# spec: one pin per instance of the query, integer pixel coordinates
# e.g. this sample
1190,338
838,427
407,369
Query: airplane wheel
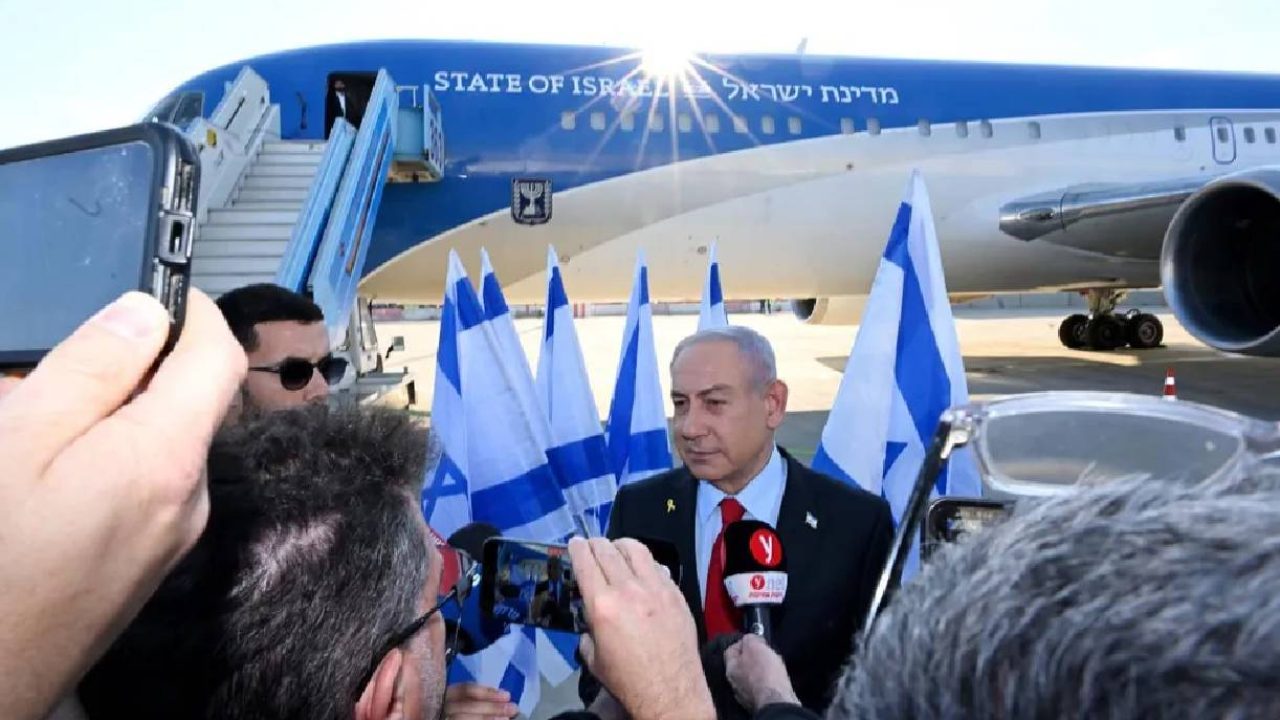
1105,333
1145,331
1071,333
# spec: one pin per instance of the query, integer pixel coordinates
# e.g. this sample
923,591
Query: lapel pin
810,520
671,505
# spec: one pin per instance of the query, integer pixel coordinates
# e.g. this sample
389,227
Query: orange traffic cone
1170,386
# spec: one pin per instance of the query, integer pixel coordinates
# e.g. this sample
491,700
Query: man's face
724,424
279,341
424,661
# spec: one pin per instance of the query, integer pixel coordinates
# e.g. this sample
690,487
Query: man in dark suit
552,598
340,102
728,404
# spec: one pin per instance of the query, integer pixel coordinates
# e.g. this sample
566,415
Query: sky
83,65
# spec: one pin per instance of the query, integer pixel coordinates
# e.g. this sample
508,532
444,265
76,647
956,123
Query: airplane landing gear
1103,329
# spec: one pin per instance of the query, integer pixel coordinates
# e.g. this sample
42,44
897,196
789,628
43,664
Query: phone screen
950,519
73,237
531,584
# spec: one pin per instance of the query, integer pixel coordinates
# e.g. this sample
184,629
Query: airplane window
656,123
873,126
597,121
685,122
628,121
846,126
1249,135
962,129
985,128
1033,128
711,122
766,124
793,125
925,128
1223,136
568,120
739,124
1180,134
1271,135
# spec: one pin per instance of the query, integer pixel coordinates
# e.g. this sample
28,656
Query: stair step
245,232
292,206
252,216
307,159
288,169
215,285
235,265
286,146
294,195
277,182
205,248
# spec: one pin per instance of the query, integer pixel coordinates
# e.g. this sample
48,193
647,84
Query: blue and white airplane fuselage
1040,177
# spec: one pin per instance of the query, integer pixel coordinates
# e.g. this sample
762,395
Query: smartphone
85,219
951,518
530,583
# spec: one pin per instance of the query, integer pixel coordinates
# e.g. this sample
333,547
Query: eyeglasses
295,373
468,577
1050,443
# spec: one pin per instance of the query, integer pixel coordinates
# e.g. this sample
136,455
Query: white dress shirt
761,500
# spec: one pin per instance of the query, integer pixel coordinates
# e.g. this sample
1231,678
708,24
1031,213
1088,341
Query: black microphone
755,573
474,631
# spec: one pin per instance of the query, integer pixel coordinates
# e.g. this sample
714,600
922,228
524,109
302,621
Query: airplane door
1224,140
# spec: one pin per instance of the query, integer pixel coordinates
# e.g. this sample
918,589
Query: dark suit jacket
832,569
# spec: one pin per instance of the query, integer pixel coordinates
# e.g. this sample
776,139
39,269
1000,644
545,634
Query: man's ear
776,399
383,697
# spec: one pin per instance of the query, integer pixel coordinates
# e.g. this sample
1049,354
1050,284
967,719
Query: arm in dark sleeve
879,542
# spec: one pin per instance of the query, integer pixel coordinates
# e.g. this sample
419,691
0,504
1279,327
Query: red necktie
722,616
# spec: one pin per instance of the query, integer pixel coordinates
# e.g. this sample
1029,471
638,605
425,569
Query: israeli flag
637,426
511,484
712,313
446,497
904,371
578,451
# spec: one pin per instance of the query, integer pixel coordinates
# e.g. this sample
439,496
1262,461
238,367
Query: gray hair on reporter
1132,599
753,347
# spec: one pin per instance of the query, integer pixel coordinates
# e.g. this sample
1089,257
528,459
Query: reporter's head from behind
306,596
1134,599
283,334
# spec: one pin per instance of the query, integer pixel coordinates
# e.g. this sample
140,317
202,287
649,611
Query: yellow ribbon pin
671,505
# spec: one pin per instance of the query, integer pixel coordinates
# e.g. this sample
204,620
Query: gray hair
1131,599
753,346
313,558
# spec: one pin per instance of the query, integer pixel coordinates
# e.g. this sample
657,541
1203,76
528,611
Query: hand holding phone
86,219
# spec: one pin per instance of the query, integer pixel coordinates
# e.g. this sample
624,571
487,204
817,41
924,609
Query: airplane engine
1221,260
829,310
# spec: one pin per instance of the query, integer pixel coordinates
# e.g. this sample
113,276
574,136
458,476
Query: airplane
1042,178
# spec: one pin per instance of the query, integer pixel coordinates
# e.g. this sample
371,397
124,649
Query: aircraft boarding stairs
301,213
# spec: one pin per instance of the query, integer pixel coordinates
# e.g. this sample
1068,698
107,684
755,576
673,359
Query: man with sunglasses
283,334
313,592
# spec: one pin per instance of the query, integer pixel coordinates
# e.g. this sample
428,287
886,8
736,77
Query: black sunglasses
295,373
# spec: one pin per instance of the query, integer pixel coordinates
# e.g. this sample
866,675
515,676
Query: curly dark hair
314,555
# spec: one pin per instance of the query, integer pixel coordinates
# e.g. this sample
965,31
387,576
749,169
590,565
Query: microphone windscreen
665,554
470,538
755,567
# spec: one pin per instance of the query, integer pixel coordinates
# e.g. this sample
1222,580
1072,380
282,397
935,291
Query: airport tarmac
1005,351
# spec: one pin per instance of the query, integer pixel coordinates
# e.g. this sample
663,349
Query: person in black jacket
728,404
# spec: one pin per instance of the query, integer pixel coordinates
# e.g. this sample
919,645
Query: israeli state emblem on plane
530,201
